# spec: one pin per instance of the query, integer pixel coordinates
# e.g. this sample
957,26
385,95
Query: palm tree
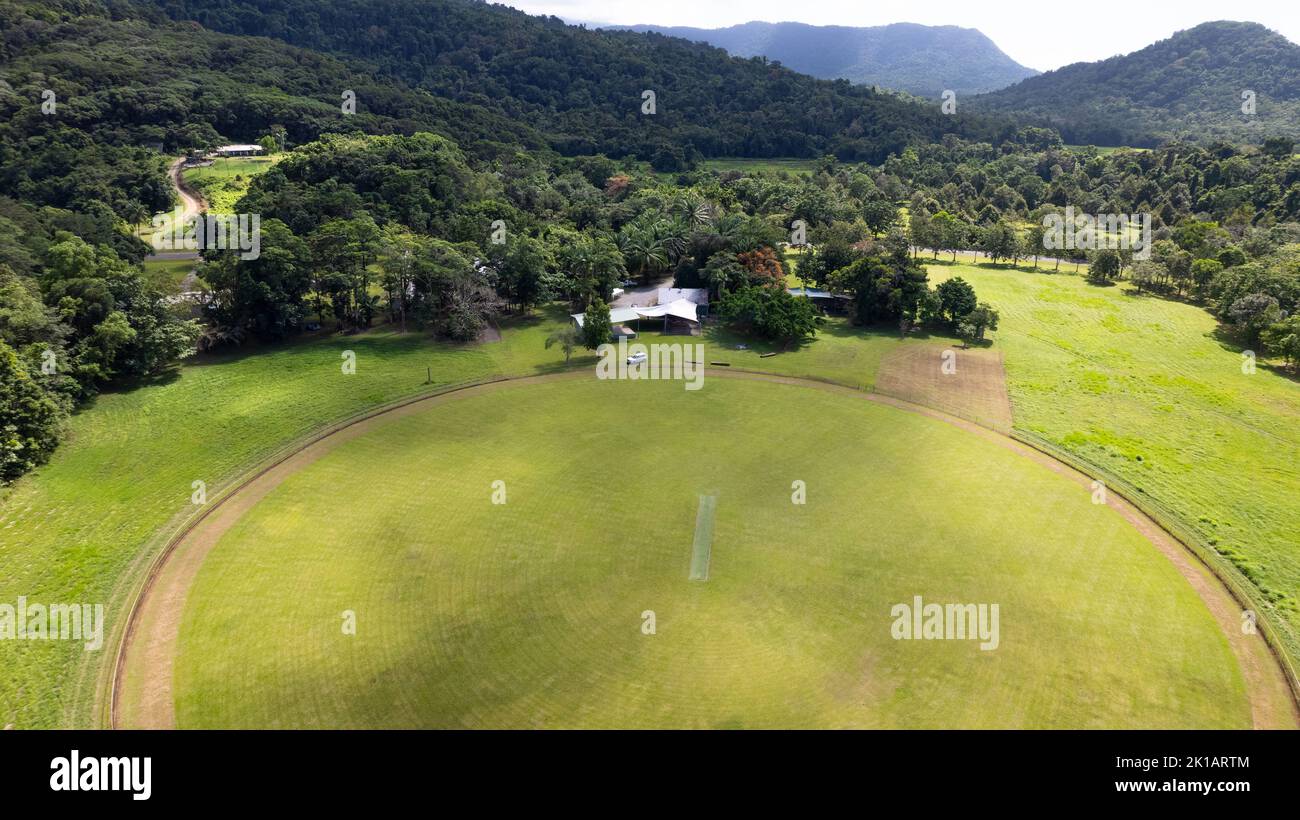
674,237
694,208
642,250
730,227
567,338
137,213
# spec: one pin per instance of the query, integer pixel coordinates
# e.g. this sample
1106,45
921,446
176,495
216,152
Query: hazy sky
1042,34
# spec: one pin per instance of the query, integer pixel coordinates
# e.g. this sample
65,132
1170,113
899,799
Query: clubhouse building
679,310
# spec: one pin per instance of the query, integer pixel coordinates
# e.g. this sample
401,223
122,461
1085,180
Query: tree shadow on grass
845,329
1227,339
1044,267
723,338
1291,375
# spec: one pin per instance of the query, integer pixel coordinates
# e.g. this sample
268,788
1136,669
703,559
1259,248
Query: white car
637,358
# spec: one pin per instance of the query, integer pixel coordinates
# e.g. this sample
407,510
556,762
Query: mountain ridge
919,59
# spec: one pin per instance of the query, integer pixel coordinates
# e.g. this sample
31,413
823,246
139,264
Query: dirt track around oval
142,695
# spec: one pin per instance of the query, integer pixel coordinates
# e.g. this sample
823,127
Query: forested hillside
584,88
120,83
1189,86
92,100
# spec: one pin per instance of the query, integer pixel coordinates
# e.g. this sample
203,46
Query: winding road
192,204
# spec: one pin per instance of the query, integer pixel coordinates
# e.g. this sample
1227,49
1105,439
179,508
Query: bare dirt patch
972,387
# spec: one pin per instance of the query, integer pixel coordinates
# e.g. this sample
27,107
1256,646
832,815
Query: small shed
825,300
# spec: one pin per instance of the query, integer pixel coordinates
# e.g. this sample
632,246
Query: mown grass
168,274
225,181
1141,386
1150,390
840,352
530,613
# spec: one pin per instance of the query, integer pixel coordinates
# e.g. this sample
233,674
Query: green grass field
1147,390
530,613
840,353
226,180
168,274
73,530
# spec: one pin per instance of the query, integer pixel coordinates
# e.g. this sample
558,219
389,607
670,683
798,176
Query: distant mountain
922,60
1189,86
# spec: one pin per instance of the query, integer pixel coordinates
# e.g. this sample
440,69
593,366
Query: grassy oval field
530,613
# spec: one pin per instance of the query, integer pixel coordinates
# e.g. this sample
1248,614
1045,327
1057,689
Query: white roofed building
238,150
700,296
678,316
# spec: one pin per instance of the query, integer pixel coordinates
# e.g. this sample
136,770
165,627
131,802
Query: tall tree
596,327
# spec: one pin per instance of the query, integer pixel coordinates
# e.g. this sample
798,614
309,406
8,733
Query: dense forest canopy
584,88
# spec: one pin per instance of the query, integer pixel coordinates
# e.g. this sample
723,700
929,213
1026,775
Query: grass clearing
1104,150
75,529
79,528
226,180
840,352
967,383
168,274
